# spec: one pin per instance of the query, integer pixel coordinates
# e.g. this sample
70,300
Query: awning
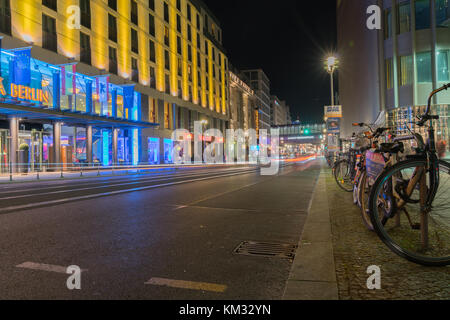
48,115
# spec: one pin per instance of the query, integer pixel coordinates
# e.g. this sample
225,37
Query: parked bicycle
409,202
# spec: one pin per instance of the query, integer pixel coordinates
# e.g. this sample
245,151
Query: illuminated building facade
280,112
242,103
260,84
394,69
141,68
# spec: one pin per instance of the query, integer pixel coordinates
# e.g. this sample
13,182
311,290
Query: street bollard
98,171
10,172
37,175
81,171
62,175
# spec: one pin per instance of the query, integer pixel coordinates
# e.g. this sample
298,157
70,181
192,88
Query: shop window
152,111
423,62
153,150
167,116
168,151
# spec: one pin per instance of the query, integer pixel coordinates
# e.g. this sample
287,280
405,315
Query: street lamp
331,64
204,124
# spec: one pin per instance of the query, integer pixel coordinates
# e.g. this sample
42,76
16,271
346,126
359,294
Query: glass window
152,51
112,4
85,48
112,60
387,23
152,78
151,4
49,38
178,45
389,74
151,25
166,12
423,62
404,17
134,41
442,13
166,60
134,12
442,65
406,70
112,28
423,18
52,4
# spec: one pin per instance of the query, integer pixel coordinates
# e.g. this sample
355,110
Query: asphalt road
158,236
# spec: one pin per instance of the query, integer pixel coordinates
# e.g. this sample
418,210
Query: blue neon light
135,147
105,147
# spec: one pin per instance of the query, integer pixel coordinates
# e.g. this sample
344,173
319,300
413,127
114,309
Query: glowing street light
331,64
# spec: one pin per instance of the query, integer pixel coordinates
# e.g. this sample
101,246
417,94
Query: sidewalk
336,250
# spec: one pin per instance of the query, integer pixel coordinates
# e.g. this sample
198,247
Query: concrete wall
358,72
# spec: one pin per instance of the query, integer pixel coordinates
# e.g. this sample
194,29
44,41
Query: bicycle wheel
364,192
396,215
343,175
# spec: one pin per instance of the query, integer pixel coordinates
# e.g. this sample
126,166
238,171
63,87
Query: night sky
288,39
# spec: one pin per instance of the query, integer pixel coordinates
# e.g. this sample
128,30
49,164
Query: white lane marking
141,178
44,267
111,193
191,285
102,186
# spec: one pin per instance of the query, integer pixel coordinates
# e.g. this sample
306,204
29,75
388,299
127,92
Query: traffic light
307,131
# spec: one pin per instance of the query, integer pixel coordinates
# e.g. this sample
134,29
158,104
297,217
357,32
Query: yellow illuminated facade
120,33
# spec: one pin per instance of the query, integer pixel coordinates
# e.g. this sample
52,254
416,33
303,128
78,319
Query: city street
157,236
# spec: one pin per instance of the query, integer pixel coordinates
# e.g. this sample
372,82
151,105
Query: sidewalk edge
313,273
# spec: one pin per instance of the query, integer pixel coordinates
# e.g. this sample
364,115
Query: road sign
334,125
333,111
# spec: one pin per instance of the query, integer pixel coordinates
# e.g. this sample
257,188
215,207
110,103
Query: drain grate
266,249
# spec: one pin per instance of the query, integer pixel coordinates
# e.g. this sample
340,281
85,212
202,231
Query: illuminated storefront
63,117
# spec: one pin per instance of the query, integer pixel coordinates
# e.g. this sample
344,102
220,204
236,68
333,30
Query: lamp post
204,124
331,64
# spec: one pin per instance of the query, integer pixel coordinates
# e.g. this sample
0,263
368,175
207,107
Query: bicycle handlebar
426,116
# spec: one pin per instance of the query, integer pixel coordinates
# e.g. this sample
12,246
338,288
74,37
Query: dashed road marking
191,285
44,267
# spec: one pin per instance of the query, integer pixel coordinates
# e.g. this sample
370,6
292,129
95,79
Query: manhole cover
266,249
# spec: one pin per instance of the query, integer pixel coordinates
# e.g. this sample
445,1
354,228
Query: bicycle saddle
394,147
